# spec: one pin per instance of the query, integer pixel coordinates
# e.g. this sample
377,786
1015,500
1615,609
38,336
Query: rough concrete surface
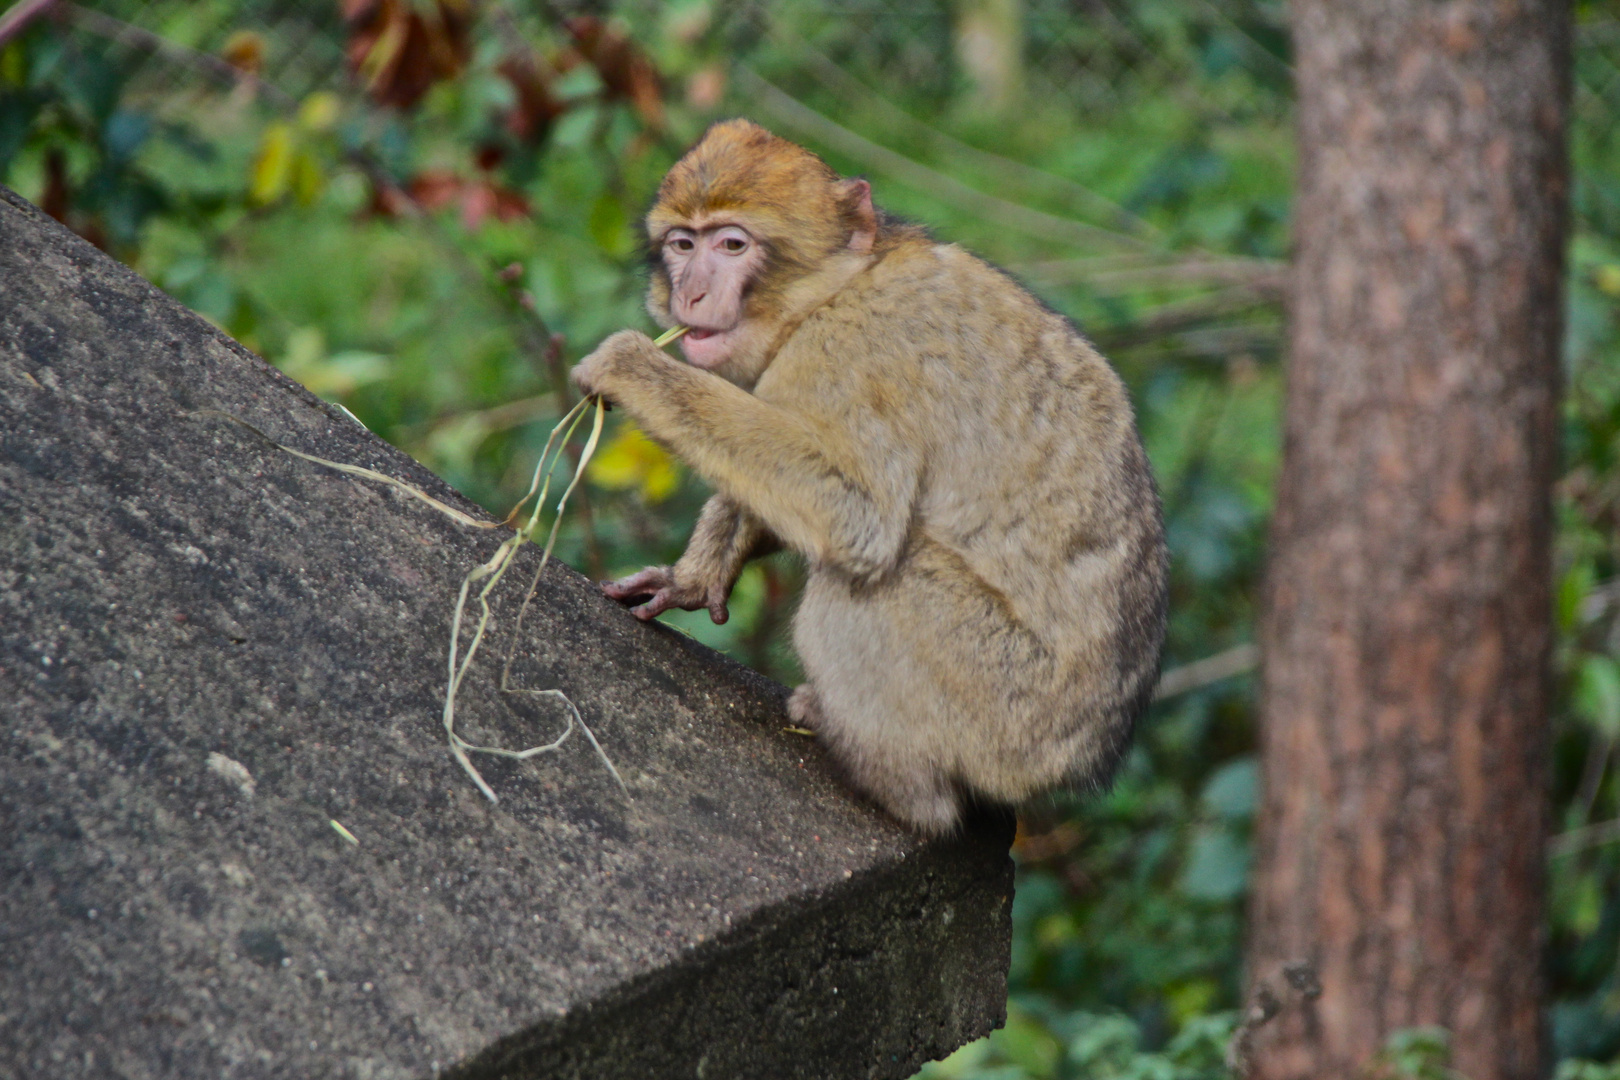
172,589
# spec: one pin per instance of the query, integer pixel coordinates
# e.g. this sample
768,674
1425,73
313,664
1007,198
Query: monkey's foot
804,708
655,591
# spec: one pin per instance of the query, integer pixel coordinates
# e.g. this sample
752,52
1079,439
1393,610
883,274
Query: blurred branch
138,38
1238,660
1179,316
1262,275
846,84
19,16
502,417
1597,763
1604,832
1597,32
1033,222
1251,44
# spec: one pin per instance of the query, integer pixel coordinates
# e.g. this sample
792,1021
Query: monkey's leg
907,787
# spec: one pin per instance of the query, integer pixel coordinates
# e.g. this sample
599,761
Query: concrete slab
209,651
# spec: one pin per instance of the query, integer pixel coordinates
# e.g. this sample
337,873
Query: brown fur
986,598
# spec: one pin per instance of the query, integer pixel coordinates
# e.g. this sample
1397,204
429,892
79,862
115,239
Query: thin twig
357,470
137,37
1239,660
1262,275
851,87
500,417
1025,219
1597,763
20,16
1604,832
1178,316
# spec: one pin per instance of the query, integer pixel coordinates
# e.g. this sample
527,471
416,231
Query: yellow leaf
662,478
319,111
1192,999
272,166
384,51
307,178
631,460
1608,279
13,64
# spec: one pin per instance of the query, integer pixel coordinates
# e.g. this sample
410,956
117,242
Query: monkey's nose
698,299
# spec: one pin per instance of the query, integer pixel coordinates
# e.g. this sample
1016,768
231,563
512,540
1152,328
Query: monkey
986,595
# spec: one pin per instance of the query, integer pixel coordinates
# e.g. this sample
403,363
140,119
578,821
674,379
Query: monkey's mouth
706,348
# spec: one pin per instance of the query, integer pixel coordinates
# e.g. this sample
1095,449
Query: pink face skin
709,267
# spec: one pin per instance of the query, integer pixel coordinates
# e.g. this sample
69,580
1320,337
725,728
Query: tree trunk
1407,624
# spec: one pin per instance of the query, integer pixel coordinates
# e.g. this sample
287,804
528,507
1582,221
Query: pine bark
1407,622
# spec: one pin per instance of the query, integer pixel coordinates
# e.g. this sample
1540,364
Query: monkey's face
710,266
749,233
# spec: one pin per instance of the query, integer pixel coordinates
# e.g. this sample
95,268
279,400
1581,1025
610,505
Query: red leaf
626,72
401,49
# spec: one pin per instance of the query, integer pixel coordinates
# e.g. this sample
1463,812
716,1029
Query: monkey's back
1019,634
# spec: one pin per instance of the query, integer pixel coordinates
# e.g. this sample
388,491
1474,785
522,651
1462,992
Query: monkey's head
747,232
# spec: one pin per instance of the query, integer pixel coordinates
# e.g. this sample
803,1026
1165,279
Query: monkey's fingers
638,586
662,601
624,595
717,606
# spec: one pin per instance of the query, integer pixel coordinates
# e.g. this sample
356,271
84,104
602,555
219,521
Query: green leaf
1233,792
124,133
1026,1043
609,225
1587,1070
1217,867
1573,589
1105,1042
1597,693
1422,1053
307,180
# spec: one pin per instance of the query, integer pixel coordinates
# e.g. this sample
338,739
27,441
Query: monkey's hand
655,591
598,372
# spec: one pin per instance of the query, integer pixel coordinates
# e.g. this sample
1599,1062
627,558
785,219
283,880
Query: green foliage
436,255
1587,1070
1418,1054
1041,1042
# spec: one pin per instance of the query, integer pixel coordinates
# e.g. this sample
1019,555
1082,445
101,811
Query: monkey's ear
860,214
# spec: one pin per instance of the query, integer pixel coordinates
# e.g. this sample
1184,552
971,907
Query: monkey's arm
839,492
725,538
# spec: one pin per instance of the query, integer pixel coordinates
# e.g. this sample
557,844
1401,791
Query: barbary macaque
961,470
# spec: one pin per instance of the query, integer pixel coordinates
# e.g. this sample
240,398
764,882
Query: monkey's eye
733,245
682,244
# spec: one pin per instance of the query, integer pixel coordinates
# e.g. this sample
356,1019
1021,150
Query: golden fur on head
780,192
